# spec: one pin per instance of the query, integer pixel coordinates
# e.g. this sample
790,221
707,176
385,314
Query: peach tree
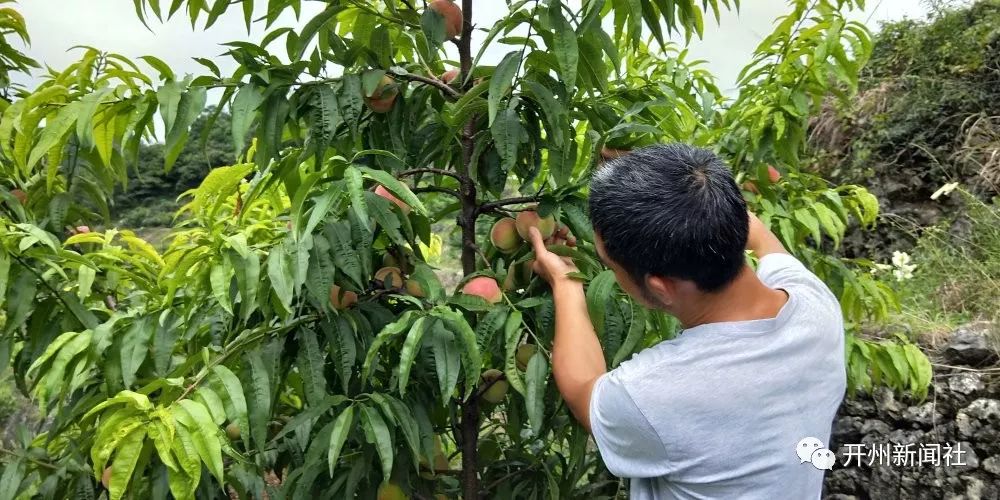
293,337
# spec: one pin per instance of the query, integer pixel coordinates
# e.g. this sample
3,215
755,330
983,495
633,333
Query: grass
957,275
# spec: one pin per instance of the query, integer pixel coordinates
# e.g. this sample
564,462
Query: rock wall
962,411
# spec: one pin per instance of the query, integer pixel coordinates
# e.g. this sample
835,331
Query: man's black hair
673,211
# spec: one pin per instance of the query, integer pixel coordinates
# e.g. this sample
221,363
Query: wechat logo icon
810,449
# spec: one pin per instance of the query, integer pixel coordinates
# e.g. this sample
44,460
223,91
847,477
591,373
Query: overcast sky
57,25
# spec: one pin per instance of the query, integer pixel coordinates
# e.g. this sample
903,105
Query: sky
112,25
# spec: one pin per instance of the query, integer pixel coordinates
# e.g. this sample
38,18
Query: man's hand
551,267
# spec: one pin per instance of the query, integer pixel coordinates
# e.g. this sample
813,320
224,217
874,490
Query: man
718,411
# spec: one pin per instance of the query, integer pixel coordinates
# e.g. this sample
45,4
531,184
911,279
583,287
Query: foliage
957,273
925,116
141,358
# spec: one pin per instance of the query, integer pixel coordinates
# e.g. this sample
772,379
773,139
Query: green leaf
211,400
242,110
204,434
134,348
345,255
341,429
191,104
397,188
564,45
501,81
355,187
54,133
260,398
279,271
220,277
311,362
472,363
343,349
124,463
447,361
236,403
183,486
377,433
410,348
84,121
163,68
636,331
538,378
400,412
506,131
512,339
390,332
599,292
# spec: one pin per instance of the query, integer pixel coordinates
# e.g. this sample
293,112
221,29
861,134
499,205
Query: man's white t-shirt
718,411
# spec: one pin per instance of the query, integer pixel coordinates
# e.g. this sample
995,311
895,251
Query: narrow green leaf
506,131
538,378
204,434
260,398
310,364
564,45
410,348
599,292
472,363
236,403
124,463
512,339
636,331
341,429
242,110
501,81
391,331
377,433
355,187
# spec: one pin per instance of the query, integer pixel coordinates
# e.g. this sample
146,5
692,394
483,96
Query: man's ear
663,288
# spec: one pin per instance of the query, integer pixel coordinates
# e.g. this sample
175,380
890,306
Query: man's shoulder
658,359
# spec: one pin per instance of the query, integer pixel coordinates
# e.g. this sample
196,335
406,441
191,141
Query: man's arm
577,357
761,241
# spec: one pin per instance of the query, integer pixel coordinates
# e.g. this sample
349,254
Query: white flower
904,273
900,259
944,190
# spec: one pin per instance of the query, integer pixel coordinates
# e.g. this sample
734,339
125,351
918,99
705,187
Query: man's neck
746,298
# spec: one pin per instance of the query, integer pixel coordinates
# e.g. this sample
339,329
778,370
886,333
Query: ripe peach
530,218
504,235
340,299
413,288
82,229
106,478
382,99
383,192
391,277
485,287
773,174
20,195
449,76
452,14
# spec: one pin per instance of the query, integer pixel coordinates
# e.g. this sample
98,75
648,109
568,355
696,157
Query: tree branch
509,201
436,171
435,189
433,82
